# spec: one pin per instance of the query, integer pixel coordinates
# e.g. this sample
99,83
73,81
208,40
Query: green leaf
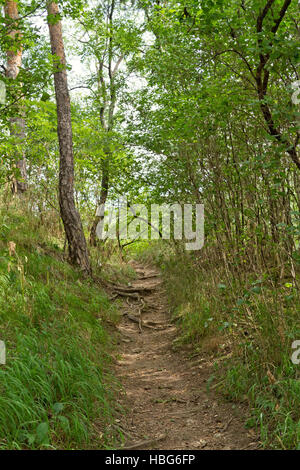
221,286
256,289
65,424
42,433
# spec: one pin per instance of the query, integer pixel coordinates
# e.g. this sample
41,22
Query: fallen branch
133,289
134,295
148,277
227,425
143,324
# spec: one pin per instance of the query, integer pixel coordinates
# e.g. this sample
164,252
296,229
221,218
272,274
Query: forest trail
164,392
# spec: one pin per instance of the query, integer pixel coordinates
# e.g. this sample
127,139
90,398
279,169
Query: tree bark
78,252
14,63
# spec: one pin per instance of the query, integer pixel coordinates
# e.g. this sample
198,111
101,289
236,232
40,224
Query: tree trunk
78,252
14,62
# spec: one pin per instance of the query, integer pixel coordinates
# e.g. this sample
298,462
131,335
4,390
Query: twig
227,425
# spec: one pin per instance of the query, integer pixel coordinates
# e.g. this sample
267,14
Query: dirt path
165,393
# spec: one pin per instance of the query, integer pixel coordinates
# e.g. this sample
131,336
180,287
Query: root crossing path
165,393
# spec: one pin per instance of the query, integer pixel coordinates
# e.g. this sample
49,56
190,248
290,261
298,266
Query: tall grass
55,390
248,321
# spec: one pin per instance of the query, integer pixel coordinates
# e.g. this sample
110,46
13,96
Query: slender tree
78,252
107,93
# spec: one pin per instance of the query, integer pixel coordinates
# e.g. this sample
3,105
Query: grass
247,321
56,390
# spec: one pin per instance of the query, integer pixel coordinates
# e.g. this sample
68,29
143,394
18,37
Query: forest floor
165,392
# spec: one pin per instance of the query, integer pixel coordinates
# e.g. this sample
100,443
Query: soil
165,392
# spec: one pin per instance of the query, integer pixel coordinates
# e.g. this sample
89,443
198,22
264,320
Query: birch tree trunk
78,252
14,63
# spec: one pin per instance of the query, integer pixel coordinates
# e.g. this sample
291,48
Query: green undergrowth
56,390
247,322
